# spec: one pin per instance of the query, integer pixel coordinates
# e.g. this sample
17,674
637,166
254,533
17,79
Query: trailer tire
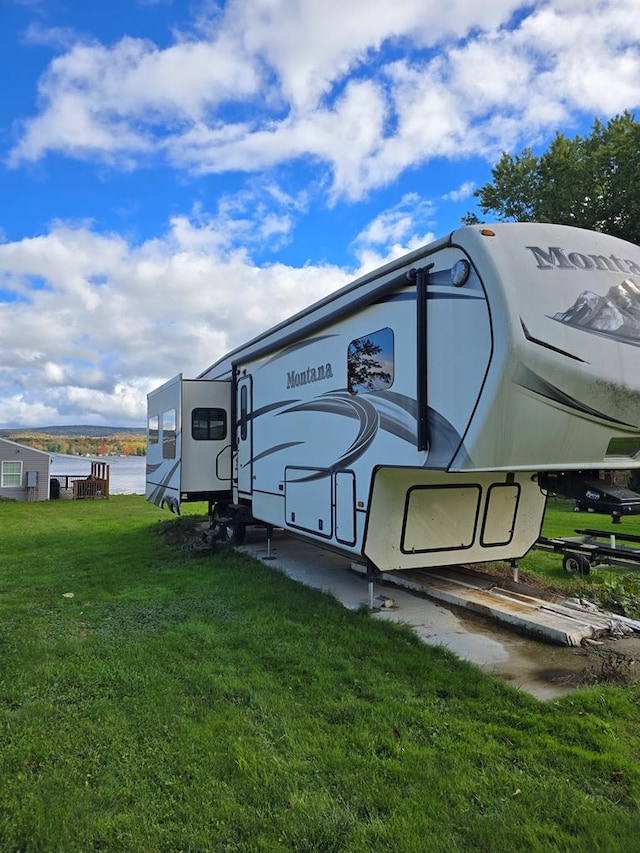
229,529
576,564
239,531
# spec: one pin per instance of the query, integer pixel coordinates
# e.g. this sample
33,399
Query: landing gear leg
516,571
269,537
372,573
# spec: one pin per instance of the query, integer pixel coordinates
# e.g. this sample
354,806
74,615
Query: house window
370,362
11,477
153,429
208,424
169,434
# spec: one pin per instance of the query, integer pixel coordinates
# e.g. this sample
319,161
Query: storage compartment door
308,501
346,507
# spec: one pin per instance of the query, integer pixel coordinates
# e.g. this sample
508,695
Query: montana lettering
311,374
556,257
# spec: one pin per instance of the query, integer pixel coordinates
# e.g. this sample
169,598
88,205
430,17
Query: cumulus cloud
101,101
393,85
395,231
91,322
113,320
464,191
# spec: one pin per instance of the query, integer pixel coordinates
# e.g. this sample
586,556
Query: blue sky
175,175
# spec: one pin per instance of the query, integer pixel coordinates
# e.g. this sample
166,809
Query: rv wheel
234,532
576,564
228,528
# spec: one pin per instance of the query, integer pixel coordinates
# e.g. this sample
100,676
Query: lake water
127,474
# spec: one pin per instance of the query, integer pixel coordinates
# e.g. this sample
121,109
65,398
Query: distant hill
74,431
81,440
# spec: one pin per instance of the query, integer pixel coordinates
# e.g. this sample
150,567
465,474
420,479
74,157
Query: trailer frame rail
586,551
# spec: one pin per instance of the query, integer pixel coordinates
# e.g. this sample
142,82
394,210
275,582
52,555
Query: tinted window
370,362
153,428
169,434
244,412
208,424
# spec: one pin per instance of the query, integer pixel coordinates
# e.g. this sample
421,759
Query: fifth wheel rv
415,417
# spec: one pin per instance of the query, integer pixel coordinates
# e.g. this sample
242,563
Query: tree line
586,181
77,445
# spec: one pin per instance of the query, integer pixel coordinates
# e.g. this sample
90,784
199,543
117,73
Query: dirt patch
187,534
548,670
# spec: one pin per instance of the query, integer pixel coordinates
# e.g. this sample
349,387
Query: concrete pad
538,668
546,617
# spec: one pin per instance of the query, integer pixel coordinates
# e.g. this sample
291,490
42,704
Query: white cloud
463,192
311,45
596,53
58,37
303,86
114,320
394,232
100,101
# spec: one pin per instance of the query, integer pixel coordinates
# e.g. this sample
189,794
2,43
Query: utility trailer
407,419
594,548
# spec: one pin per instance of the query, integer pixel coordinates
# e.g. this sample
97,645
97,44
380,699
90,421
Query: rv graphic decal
275,449
158,495
386,411
344,404
615,315
556,257
382,411
527,378
310,374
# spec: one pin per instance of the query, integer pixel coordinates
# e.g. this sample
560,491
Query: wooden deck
81,486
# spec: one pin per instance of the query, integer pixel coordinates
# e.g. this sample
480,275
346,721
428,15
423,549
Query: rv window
370,362
244,410
169,434
153,429
11,475
208,424
623,447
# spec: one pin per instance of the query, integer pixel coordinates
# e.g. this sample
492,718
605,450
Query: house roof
9,443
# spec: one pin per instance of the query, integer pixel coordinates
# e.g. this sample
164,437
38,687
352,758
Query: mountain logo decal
615,315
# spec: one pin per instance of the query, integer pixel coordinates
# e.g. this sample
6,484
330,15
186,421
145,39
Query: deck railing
96,485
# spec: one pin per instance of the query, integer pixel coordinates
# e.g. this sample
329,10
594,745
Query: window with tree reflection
370,362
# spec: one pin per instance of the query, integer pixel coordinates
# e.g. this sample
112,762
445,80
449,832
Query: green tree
590,182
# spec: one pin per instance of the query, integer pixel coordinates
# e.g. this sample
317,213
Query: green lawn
180,702
617,589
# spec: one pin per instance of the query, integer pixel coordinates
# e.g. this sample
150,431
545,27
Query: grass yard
617,589
180,702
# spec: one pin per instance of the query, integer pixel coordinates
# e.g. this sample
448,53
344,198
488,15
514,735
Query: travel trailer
415,417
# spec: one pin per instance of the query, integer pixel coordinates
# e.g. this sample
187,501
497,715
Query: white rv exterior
188,460
405,418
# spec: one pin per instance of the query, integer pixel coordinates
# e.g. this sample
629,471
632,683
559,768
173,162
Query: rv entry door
244,436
